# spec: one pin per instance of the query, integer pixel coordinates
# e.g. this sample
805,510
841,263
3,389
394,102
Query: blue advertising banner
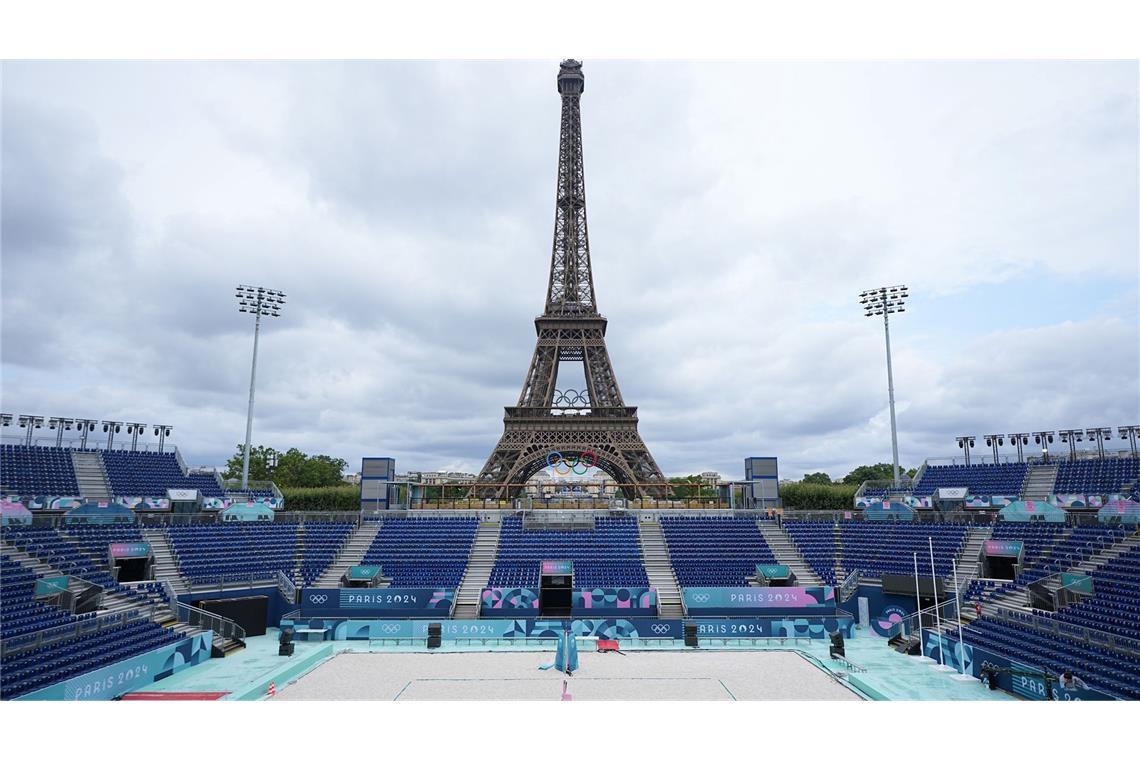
450,630
130,674
378,602
817,599
799,628
1025,683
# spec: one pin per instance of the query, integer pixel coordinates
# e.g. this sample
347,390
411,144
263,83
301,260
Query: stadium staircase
838,536
659,569
352,553
165,560
91,475
1039,482
787,554
970,558
484,552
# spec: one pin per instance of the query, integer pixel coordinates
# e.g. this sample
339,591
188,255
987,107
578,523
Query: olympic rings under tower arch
555,459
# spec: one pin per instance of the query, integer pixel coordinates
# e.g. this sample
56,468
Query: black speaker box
435,636
285,649
690,634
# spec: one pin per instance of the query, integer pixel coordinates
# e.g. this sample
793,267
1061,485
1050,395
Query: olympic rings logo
700,598
587,459
318,598
390,628
660,628
571,397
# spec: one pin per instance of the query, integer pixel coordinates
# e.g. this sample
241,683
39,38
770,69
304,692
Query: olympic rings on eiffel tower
554,460
571,397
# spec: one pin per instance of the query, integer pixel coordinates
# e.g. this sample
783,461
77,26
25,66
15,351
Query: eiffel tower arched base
532,434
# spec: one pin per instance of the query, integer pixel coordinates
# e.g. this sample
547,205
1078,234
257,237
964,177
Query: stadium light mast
1129,433
884,302
965,443
162,431
84,426
994,440
259,302
134,428
1019,440
110,427
1072,437
1044,437
31,422
59,424
1100,435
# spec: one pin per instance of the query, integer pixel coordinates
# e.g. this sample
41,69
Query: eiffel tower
593,425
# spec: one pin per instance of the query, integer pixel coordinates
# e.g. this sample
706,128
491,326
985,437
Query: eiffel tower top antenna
571,288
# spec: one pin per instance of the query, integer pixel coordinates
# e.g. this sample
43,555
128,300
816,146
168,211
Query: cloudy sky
736,210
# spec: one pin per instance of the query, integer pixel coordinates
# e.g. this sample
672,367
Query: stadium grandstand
102,572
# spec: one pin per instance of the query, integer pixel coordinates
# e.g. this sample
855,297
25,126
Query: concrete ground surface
691,675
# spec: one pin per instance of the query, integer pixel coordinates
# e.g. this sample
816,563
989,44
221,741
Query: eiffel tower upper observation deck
548,419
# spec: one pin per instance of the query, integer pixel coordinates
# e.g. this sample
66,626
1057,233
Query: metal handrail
204,619
63,633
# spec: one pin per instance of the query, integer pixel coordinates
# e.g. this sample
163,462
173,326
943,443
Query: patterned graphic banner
47,502
1070,500
818,598
380,602
131,550
509,600
143,503
130,674
978,501
214,503
996,548
14,513
602,628
603,599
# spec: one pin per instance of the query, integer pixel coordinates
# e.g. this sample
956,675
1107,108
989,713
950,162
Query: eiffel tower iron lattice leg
572,423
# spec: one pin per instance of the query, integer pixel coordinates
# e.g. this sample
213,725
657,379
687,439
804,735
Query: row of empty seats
715,551
1004,479
37,471
1097,476
607,556
426,552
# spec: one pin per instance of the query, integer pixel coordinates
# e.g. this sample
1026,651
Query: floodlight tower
884,302
994,440
84,426
1072,437
1019,440
32,423
162,431
110,427
1045,437
1100,435
1129,433
259,302
134,428
60,424
965,443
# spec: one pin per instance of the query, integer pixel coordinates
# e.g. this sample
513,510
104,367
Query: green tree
821,478
880,471
294,468
688,487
